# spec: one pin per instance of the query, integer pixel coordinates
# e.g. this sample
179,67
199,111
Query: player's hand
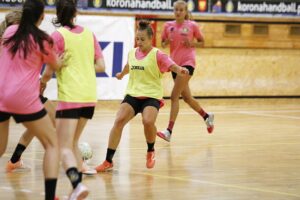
187,43
61,60
119,76
165,43
183,71
42,87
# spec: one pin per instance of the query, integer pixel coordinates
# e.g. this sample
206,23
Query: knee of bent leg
187,99
120,122
49,139
148,122
175,97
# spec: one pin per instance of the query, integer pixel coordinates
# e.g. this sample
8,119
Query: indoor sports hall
247,74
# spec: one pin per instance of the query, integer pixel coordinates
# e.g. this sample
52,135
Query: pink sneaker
16,167
79,193
166,135
150,159
105,166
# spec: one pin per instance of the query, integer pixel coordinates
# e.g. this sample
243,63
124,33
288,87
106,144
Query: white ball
85,150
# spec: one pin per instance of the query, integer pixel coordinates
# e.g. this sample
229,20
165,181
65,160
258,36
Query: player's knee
187,100
120,122
148,122
174,97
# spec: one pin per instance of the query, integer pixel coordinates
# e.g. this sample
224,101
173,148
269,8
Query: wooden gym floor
254,153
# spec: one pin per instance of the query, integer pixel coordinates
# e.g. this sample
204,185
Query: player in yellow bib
144,93
76,89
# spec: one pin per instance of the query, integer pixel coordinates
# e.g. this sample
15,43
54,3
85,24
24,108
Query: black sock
80,176
169,131
205,116
74,176
150,146
20,148
110,154
50,187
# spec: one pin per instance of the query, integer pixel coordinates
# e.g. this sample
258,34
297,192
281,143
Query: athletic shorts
138,105
43,99
19,118
190,68
76,113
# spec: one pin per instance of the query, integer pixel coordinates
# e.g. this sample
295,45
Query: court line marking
269,115
218,184
105,114
167,146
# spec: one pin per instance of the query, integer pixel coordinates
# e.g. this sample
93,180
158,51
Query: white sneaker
166,135
79,193
87,170
210,122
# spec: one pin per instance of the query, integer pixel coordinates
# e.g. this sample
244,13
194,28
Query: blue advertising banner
274,7
251,7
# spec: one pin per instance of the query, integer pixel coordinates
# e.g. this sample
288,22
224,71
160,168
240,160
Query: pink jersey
177,34
19,77
59,41
164,62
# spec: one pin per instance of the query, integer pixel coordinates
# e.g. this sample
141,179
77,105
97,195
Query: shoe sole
106,170
18,170
150,167
162,136
89,173
210,130
83,195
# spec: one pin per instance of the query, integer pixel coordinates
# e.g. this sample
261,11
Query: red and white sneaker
166,135
210,122
79,193
150,159
104,167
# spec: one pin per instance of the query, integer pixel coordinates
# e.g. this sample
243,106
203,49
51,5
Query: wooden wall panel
244,72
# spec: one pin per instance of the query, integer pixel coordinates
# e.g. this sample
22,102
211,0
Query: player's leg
193,103
44,130
179,84
15,163
149,116
124,115
66,128
4,125
82,165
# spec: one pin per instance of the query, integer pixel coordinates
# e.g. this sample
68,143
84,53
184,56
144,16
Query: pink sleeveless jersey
177,33
19,77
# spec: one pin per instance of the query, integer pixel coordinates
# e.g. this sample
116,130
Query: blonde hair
182,2
13,17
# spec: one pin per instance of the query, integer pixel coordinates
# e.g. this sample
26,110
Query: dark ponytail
65,13
27,30
145,25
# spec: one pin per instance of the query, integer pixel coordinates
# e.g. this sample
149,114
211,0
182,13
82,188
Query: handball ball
85,150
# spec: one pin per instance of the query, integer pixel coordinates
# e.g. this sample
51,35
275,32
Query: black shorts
190,68
138,105
76,113
43,99
19,118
